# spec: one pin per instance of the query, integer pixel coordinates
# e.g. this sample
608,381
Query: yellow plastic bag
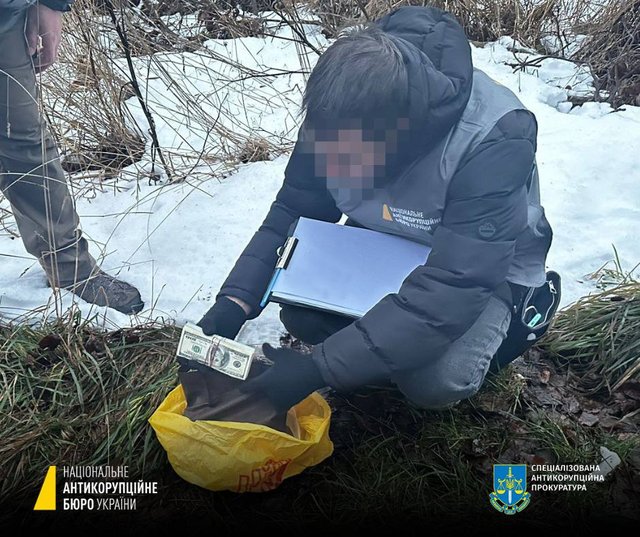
242,457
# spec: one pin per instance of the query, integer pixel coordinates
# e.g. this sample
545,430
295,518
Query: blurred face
348,160
350,157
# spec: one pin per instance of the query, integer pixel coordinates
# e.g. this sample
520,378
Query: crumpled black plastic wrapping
212,395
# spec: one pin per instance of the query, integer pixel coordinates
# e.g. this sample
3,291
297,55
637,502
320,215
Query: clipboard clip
284,256
285,252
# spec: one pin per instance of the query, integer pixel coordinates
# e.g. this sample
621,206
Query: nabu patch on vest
487,229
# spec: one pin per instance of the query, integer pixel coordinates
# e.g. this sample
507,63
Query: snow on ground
177,242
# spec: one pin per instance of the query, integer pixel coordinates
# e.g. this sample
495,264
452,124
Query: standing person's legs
460,371
31,176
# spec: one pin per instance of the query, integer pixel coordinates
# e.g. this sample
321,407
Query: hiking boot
104,290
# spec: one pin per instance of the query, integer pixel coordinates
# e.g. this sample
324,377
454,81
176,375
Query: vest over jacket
464,182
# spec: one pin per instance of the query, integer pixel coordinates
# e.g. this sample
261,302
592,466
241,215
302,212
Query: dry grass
161,64
613,51
70,395
113,54
525,20
598,339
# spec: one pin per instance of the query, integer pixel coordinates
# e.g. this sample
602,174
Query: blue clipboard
341,269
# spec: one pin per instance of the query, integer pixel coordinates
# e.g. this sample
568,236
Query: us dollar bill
219,353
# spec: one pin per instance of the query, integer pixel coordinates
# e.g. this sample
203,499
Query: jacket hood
440,72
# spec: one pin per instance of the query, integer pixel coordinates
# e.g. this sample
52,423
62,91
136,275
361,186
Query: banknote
219,353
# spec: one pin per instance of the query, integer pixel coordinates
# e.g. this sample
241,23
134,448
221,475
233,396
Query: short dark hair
361,75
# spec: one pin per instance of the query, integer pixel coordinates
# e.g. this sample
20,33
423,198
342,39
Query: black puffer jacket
440,300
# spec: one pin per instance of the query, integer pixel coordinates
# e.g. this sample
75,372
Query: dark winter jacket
467,186
10,10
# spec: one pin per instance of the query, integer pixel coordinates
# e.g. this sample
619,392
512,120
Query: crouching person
404,136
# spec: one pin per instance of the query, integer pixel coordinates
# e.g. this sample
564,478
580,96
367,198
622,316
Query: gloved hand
225,318
291,378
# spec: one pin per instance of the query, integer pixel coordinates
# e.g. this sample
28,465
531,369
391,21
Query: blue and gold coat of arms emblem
510,494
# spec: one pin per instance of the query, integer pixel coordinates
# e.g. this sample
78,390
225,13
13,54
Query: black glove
291,378
225,318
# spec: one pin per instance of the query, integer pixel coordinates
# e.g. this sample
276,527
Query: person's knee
443,399
442,389
460,372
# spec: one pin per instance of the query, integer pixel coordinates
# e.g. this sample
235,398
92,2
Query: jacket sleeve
472,249
302,194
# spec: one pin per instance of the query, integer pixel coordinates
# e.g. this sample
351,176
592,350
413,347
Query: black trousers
311,326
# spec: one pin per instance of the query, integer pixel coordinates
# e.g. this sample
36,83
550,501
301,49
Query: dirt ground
395,465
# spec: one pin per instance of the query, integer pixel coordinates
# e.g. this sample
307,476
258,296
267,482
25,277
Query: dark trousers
457,374
311,326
